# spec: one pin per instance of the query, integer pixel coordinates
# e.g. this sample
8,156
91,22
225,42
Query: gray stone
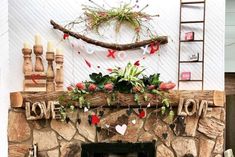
191,125
219,145
79,138
146,136
182,146
45,139
18,150
119,118
70,149
18,127
205,147
164,132
66,130
211,127
53,153
163,151
85,129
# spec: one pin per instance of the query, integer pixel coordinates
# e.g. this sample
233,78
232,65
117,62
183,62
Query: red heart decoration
154,47
142,114
95,119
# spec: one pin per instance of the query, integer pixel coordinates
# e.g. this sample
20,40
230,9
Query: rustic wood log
114,46
123,100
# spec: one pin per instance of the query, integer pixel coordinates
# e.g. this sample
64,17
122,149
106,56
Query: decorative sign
40,110
189,36
185,75
194,57
190,107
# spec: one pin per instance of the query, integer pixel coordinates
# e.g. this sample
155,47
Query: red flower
95,119
167,86
70,88
92,87
108,86
80,86
151,87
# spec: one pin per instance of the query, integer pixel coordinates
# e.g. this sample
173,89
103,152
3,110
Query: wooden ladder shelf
200,61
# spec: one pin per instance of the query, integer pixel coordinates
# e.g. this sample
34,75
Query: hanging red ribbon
88,63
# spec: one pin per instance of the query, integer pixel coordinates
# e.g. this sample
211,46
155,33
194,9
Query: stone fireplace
186,136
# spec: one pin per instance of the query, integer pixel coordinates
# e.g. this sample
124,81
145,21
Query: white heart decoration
89,51
85,109
133,121
148,105
121,129
107,126
121,55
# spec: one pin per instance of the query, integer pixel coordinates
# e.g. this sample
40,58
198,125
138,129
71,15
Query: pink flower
167,86
92,87
108,86
151,87
70,88
80,86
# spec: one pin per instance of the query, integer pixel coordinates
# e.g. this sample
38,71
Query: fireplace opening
118,149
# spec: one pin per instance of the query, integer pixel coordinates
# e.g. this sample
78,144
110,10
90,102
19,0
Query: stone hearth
201,137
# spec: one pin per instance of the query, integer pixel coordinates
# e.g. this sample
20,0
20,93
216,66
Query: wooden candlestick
38,51
27,65
59,79
50,85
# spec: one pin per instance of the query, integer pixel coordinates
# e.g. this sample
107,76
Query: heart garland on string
121,129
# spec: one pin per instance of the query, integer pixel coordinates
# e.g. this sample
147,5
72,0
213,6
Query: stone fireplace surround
202,137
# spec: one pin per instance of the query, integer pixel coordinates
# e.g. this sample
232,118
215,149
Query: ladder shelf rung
191,61
189,22
191,40
190,80
195,2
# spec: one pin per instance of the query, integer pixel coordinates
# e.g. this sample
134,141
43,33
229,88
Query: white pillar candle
26,45
59,51
50,47
228,153
38,39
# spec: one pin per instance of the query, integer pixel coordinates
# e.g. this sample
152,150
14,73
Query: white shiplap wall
230,36
4,69
28,17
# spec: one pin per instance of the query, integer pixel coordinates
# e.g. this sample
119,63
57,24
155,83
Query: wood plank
124,100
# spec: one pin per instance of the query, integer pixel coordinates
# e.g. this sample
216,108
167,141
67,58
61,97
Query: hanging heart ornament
121,129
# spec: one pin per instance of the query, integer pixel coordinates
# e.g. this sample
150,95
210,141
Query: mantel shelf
123,100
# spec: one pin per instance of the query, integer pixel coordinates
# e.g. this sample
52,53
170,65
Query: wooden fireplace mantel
216,98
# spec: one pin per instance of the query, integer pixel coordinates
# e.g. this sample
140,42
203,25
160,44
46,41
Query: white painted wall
4,69
230,36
